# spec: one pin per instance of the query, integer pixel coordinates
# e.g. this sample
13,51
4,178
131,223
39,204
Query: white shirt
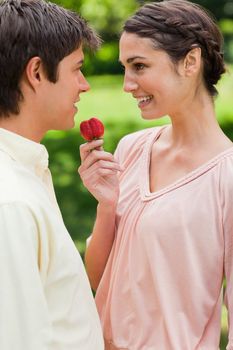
45,297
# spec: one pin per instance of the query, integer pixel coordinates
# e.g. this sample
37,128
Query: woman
163,236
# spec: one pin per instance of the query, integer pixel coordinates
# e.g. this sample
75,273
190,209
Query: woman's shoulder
137,138
225,160
132,143
225,167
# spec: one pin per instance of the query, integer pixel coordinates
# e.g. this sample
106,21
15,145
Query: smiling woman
161,243
144,80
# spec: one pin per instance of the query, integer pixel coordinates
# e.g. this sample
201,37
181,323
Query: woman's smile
144,101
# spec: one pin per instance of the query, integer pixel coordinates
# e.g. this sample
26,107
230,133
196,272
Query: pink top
162,286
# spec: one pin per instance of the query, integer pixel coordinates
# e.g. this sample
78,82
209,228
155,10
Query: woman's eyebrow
131,59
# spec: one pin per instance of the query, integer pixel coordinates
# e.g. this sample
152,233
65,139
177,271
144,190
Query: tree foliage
220,8
107,18
108,15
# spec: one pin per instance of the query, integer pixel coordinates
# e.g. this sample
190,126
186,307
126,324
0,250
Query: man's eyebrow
131,59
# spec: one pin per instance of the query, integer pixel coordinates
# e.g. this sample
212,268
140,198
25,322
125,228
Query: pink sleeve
131,143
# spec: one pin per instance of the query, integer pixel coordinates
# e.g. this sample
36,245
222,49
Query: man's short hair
31,28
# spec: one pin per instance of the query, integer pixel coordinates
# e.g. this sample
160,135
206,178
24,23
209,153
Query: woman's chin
151,116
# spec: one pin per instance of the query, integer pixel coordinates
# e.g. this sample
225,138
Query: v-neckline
144,185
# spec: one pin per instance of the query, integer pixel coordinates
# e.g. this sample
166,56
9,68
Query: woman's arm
98,172
100,245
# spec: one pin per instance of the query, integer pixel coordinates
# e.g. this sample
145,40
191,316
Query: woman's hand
98,171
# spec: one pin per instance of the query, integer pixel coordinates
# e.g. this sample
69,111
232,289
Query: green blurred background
116,109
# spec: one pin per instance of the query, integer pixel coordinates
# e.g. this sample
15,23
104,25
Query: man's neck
22,126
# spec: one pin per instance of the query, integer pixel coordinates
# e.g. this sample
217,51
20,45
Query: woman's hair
31,28
176,26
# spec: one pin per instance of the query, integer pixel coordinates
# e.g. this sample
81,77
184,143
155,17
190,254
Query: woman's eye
139,66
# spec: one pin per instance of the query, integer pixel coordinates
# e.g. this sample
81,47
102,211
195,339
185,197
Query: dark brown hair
176,26
31,28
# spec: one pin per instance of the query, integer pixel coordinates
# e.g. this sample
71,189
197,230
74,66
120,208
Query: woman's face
151,77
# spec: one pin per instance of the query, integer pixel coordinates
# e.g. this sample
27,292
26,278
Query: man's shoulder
9,186
16,182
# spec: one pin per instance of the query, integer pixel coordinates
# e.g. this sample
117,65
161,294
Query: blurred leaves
220,8
107,16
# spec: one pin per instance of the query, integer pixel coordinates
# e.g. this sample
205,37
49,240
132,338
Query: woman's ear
34,71
192,62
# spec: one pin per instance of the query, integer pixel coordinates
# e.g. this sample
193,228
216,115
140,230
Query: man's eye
77,68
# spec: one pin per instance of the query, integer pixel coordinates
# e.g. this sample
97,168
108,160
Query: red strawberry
91,129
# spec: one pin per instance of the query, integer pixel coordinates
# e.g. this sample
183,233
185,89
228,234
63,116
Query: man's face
58,99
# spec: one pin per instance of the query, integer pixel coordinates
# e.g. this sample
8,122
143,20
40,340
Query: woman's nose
129,84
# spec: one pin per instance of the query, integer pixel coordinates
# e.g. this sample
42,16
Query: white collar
29,153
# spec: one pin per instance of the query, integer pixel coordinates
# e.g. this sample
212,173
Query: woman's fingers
100,159
91,177
88,147
98,171
99,167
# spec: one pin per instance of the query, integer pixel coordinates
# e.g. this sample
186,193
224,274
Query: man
45,297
